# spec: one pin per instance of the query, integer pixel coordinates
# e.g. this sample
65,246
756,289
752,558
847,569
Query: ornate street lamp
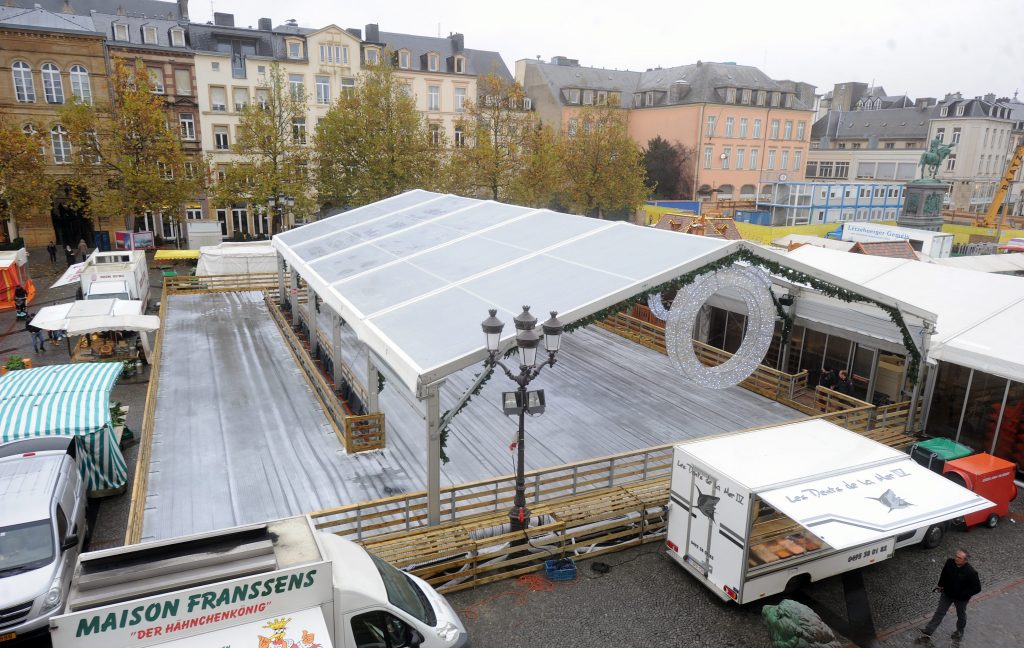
278,204
522,401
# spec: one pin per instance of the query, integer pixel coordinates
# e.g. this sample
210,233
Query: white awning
302,628
72,275
872,504
237,258
414,275
95,315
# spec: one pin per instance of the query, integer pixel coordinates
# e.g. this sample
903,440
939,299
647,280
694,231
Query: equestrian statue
932,159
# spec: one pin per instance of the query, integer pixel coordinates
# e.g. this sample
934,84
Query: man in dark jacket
957,584
843,383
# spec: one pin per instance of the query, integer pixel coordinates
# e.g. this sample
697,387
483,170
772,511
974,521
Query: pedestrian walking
83,249
843,383
69,255
957,584
51,249
38,342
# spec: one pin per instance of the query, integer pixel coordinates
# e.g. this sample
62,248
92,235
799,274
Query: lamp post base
519,518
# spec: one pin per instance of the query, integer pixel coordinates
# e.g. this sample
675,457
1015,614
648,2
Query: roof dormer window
120,32
574,96
960,110
149,35
460,65
433,62
178,37
372,55
944,111
745,97
294,49
403,59
588,97
730,95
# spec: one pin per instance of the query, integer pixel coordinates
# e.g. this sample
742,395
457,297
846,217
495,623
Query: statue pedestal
922,205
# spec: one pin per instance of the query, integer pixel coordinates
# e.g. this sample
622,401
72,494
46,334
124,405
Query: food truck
116,275
279,583
757,513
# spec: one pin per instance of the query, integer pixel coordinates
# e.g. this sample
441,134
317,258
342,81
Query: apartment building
46,59
983,131
747,130
441,73
162,47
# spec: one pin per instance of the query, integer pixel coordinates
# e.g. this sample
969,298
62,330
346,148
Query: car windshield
25,546
403,593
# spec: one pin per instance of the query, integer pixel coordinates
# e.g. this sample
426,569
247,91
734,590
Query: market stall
14,273
68,400
104,330
252,257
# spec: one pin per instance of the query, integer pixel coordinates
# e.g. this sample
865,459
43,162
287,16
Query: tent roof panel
463,259
374,291
363,214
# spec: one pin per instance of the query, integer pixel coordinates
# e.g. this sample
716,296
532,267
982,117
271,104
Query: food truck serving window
775,537
871,504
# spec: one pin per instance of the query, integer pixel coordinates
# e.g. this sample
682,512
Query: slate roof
151,8
888,123
478,62
972,108
48,20
203,38
684,84
105,24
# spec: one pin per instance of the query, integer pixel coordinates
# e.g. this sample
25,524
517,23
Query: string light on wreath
753,286
656,306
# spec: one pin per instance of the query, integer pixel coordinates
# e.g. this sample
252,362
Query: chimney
564,61
223,19
990,97
265,24
372,33
182,9
68,9
458,41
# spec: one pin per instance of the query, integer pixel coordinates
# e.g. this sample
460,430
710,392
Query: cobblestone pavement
648,600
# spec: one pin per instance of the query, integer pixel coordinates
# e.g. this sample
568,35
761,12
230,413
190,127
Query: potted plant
14,363
128,367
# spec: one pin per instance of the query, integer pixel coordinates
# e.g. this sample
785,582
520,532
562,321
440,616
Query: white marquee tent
87,316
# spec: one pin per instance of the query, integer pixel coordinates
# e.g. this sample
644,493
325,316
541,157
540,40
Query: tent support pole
295,297
372,397
282,293
926,338
929,394
433,404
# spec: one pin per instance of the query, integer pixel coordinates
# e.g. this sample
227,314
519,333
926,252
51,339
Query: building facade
746,129
982,131
46,59
814,203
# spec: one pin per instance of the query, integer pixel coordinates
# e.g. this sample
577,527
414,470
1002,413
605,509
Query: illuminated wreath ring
656,306
754,288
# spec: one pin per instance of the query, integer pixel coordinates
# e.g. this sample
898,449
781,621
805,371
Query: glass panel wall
1010,443
813,355
948,400
983,405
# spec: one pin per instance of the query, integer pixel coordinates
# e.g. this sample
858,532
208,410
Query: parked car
42,530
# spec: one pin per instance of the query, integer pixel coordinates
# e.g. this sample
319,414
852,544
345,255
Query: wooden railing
362,432
262,281
140,487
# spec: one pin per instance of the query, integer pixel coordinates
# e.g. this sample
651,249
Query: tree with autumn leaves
127,161
24,187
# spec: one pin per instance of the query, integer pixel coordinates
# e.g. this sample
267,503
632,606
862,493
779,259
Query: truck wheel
797,583
992,521
933,536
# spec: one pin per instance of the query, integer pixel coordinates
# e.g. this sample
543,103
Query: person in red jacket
957,584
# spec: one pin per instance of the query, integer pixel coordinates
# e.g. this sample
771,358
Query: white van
277,584
42,530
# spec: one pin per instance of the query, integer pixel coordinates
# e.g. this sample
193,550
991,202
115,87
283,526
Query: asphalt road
646,599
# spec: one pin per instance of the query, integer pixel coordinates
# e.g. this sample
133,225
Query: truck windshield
24,547
403,592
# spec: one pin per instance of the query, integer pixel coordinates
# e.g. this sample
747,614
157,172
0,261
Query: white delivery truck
121,274
280,584
934,244
757,513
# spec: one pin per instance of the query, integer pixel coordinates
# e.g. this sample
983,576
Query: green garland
776,269
787,321
489,371
380,382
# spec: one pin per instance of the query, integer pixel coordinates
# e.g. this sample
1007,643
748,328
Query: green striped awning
67,400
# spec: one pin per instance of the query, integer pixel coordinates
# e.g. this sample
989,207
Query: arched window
725,192
24,87
80,87
61,145
748,191
53,89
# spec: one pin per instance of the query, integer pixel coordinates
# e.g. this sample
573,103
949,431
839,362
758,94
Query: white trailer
276,584
757,513
934,244
121,274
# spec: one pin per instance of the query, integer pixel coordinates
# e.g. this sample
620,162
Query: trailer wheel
933,536
992,521
797,583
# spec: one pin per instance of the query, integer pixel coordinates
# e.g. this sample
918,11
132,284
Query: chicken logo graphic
277,639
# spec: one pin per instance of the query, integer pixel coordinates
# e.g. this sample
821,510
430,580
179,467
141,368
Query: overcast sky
921,47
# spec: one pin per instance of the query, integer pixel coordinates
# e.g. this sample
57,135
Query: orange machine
988,476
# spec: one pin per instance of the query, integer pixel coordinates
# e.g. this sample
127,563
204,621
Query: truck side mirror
70,542
415,638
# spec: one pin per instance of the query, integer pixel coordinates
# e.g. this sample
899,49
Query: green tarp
67,400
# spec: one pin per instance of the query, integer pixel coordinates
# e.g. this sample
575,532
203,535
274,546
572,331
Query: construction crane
1012,168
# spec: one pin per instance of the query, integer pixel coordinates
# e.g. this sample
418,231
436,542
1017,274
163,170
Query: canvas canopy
91,315
978,314
72,275
414,275
237,258
67,400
